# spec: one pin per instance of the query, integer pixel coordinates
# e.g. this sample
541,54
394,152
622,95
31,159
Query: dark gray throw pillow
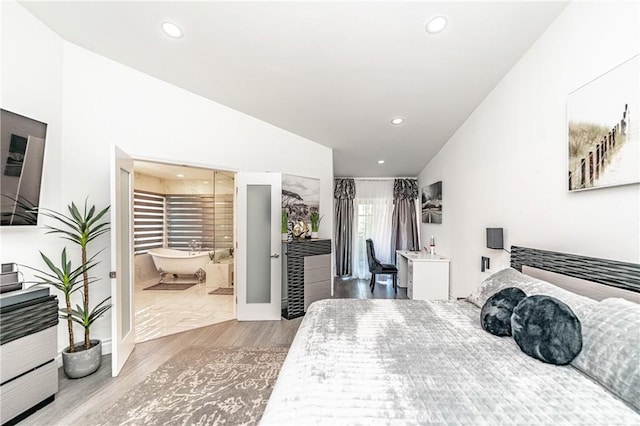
547,329
495,316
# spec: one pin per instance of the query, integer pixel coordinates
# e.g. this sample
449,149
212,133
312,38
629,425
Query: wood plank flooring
359,289
77,399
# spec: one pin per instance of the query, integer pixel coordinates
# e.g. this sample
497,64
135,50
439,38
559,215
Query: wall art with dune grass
603,135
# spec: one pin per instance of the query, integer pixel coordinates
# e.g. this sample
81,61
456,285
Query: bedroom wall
506,165
91,103
31,85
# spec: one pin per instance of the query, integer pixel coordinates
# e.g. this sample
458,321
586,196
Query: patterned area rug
202,387
170,286
227,291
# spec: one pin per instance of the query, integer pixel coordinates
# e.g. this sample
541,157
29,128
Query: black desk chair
377,268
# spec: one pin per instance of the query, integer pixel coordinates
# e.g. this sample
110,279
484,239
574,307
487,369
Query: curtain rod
375,178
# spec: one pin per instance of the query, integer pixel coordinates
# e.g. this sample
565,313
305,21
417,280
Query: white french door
258,239
123,328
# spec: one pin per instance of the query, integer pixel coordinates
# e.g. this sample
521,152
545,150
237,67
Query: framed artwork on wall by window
432,203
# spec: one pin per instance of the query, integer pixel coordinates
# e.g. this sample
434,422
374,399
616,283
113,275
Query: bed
430,362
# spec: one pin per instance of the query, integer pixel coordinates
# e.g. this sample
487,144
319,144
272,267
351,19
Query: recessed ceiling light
380,161
171,29
397,120
436,25
205,182
180,175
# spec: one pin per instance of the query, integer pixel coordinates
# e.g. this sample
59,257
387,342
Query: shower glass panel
223,215
258,244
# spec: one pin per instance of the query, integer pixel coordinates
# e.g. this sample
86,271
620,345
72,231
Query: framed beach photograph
602,121
432,203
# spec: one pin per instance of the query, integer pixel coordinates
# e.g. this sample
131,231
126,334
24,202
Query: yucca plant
285,219
81,228
315,219
65,279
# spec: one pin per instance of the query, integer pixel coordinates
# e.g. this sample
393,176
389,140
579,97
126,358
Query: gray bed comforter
413,362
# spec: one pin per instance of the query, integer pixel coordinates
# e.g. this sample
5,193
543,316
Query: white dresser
28,347
317,278
306,275
425,276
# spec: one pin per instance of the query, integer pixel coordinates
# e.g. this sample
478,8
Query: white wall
506,165
31,85
91,103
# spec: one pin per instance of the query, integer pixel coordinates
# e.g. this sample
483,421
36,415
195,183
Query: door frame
135,157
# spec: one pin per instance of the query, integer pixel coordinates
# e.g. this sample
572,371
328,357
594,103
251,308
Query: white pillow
510,277
611,348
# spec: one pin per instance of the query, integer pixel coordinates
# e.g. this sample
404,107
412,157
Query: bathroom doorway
184,248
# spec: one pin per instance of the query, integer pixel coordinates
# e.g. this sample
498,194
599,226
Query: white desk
425,276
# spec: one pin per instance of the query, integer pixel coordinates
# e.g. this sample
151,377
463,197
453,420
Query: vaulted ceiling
333,72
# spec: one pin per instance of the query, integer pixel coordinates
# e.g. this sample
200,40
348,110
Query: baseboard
106,346
106,349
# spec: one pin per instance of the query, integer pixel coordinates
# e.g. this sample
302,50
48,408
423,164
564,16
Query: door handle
275,255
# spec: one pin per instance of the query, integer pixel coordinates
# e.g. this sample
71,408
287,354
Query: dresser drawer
318,261
22,355
22,393
315,275
316,291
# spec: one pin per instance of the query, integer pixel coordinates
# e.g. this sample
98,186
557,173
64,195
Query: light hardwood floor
77,399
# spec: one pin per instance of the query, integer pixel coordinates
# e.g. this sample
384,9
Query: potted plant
284,228
83,358
315,219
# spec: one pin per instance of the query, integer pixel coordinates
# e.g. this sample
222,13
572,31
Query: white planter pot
285,236
314,235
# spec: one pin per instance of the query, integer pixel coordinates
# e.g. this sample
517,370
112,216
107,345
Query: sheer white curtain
373,209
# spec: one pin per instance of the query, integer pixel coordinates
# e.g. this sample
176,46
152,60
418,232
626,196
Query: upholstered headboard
611,273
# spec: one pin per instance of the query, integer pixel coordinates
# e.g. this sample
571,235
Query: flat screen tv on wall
22,156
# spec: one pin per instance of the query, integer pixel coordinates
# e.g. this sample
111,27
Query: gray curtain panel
404,235
344,193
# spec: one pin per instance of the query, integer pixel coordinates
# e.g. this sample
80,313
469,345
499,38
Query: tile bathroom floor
164,312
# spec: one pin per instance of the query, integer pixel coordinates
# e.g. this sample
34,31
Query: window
190,219
206,220
148,221
373,206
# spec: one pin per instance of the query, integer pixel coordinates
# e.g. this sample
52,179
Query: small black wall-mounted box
494,238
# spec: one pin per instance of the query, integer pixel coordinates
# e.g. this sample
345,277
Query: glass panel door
122,317
258,244
258,262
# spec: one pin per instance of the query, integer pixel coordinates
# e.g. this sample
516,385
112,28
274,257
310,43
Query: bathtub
169,261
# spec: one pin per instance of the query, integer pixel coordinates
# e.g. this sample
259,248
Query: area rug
227,291
170,286
202,386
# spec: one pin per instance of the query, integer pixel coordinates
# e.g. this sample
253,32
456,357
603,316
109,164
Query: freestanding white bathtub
170,261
